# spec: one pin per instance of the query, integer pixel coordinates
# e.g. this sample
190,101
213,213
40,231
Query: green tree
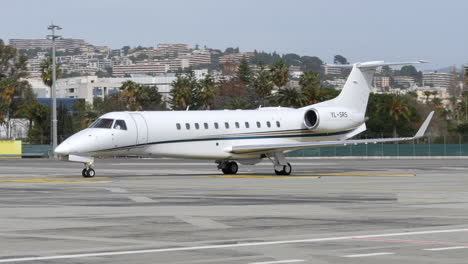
291,97
397,110
46,71
310,85
14,92
207,92
338,59
149,98
128,95
263,85
244,73
311,64
184,91
279,74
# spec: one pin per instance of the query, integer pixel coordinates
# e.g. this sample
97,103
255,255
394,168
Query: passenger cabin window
102,123
268,124
247,125
206,125
278,124
120,124
187,125
178,126
237,125
226,124
197,126
216,125
259,125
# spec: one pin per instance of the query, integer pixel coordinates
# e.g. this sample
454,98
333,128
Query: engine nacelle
311,118
331,119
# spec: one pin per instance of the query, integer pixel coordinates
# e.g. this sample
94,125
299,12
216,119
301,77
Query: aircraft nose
63,149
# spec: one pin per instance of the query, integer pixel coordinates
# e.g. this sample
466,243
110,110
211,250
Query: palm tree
279,74
181,95
398,111
310,84
207,92
291,97
128,95
46,71
427,94
263,84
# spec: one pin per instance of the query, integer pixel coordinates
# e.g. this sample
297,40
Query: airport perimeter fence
445,146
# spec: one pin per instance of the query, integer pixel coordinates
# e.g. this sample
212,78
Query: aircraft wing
262,148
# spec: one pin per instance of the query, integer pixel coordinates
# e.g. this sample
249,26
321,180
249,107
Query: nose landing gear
88,172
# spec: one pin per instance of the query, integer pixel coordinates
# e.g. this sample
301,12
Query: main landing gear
280,165
88,172
286,170
228,167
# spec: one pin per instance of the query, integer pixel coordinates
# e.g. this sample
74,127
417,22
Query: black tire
287,169
231,168
83,172
90,173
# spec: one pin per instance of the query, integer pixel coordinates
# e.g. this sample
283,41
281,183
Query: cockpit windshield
102,123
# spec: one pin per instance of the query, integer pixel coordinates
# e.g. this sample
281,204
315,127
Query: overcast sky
360,30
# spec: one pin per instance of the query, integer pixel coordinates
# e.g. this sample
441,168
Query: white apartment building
151,67
381,81
61,44
235,58
406,81
89,87
332,69
437,79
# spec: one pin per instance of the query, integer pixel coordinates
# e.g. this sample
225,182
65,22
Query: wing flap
244,149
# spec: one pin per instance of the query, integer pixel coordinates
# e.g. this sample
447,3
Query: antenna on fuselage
188,107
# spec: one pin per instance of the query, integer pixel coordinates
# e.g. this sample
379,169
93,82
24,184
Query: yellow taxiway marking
428,198
257,176
298,187
358,174
51,181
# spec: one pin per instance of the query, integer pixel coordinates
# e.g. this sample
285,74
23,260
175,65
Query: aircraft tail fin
355,93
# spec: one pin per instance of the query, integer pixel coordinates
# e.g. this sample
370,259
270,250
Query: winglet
424,126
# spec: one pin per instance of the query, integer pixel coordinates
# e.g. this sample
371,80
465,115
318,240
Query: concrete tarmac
184,211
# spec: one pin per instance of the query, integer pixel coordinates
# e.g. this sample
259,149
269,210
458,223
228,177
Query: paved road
178,211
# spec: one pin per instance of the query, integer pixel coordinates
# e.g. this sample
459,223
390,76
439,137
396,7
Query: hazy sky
360,30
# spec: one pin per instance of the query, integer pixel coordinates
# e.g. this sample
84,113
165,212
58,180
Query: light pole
53,27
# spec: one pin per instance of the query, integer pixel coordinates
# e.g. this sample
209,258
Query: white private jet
231,136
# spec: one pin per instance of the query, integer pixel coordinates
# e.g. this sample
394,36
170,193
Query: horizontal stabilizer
375,64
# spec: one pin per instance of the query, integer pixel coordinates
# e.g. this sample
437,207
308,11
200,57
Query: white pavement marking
368,255
445,248
202,222
141,199
117,190
279,242
279,261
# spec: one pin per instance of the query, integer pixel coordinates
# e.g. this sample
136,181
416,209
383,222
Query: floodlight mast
53,96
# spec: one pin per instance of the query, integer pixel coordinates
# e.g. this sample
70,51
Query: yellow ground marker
257,176
51,181
359,174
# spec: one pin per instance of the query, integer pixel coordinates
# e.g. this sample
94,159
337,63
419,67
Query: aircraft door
142,128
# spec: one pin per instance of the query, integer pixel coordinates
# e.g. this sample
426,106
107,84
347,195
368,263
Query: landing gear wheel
285,171
231,168
88,173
